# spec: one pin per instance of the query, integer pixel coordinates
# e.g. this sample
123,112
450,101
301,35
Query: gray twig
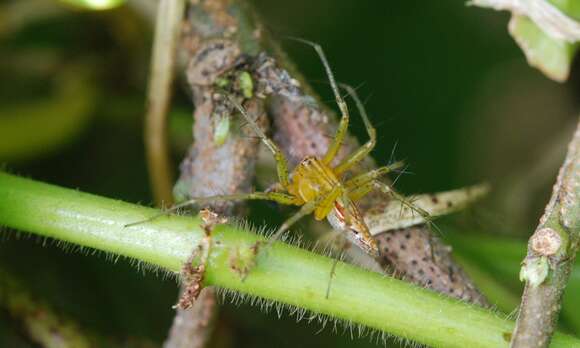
214,42
551,253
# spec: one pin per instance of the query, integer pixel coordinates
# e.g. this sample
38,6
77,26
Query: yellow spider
316,185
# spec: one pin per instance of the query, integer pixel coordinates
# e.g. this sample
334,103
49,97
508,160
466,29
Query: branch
165,43
193,327
421,257
551,253
286,274
392,215
222,158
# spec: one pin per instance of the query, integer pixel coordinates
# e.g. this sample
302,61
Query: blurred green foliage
445,84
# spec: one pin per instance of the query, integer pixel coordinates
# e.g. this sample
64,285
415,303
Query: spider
315,184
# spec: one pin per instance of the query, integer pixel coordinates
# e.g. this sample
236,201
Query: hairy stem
286,274
551,253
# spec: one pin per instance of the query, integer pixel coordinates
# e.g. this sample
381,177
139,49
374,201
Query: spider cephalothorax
314,180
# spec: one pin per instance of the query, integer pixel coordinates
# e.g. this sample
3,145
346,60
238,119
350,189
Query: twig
393,216
193,327
165,43
168,28
551,253
215,42
416,255
286,274
194,323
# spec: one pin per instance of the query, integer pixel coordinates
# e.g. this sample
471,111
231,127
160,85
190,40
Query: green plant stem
285,273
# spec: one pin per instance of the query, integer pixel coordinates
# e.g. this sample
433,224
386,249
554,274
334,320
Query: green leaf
552,57
569,7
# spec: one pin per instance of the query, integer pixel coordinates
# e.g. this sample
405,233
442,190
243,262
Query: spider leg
332,269
281,162
281,198
345,200
343,246
343,125
364,150
404,201
359,181
306,209
359,192
326,204
322,202
362,184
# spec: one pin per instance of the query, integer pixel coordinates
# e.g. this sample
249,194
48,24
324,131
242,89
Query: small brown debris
191,275
210,220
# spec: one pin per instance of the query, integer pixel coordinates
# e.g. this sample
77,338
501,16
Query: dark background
443,81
